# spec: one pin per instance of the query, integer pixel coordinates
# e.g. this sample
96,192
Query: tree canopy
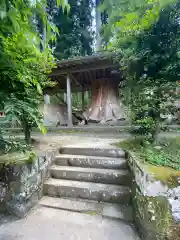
75,28
24,64
147,33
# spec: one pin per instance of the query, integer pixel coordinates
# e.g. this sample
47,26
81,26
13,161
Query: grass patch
165,153
162,159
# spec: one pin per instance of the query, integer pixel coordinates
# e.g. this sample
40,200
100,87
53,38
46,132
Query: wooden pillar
46,99
65,98
82,99
69,103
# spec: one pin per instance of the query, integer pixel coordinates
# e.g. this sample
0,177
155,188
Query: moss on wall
166,175
19,158
153,208
174,232
152,215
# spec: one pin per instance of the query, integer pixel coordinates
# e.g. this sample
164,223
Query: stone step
91,161
109,176
110,210
87,190
99,152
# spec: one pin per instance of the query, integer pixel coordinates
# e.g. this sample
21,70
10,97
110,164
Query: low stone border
22,184
156,207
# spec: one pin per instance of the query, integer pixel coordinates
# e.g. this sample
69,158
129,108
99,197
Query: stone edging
23,185
156,207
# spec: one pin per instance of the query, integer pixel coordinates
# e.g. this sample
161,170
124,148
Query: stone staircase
90,180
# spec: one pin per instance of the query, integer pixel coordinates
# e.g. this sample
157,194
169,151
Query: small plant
147,127
167,153
31,158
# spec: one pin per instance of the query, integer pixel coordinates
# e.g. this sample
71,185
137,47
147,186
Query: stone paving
52,224
52,140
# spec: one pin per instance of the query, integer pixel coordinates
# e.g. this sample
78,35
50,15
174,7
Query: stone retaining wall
21,184
156,206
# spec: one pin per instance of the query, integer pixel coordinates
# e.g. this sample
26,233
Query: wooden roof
83,70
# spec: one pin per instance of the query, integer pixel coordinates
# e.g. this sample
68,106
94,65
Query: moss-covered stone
17,158
152,215
22,181
156,192
166,175
174,232
92,212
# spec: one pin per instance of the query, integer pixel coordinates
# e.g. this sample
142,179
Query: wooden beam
69,103
46,99
64,102
76,81
83,68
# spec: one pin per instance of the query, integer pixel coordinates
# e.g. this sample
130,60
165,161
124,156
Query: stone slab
118,211
99,152
91,161
109,176
87,190
110,210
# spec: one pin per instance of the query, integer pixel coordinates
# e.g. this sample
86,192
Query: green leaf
39,89
42,128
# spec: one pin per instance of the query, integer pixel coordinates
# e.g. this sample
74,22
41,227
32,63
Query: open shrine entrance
99,74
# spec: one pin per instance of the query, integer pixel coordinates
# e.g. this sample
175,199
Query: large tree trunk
105,104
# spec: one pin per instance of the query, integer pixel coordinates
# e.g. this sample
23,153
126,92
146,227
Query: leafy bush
162,158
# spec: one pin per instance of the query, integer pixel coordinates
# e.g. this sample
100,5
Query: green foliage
134,144
20,158
130,18
75,28
149,103
23,64
31,158
147,127
164,153
159,158
147,33
26,109
12,144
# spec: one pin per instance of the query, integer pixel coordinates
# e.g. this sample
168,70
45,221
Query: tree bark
27,136
105,104
27,132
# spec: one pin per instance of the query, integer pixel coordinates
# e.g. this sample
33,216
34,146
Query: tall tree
75,28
